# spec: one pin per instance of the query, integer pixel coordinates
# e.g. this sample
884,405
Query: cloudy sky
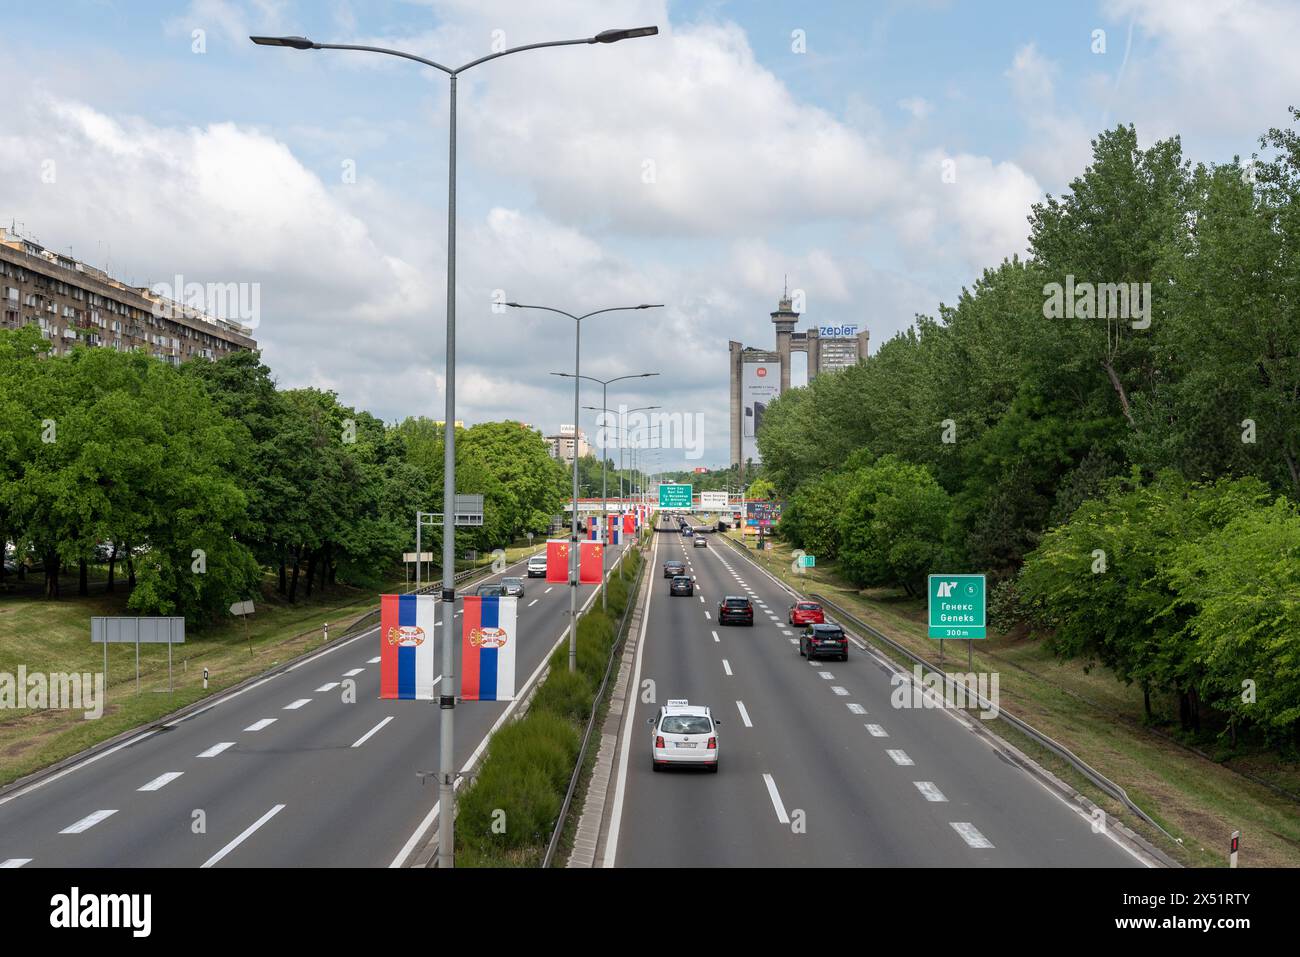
747,142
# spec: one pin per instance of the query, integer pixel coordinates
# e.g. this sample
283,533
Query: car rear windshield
681,580
686,724
831,632
809,606
737,602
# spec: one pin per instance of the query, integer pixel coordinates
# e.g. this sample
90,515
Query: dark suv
820,640
736,608
682,585
674,567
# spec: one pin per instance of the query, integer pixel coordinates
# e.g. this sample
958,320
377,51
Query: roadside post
242,609
1232,856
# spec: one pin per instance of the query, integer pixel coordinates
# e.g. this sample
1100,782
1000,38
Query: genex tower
758,376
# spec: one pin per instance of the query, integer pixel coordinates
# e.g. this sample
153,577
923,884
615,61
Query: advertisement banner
760,383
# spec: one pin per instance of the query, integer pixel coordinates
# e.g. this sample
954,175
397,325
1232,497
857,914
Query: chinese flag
557,561
629,522
589,563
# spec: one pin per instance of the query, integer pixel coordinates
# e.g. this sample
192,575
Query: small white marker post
205,679
1232,856
326,628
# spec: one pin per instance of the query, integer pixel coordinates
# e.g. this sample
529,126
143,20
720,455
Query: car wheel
844,657
713,768
654,765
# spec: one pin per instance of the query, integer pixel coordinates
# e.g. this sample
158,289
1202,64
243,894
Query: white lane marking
533,602
786,631
825,674
87,822
263,723
839,690
14,862
900,757
294,706
876,731
744,715
857,709
931,792
216,749
161,781
366,737
708,616
328,686
776,799
701,599
242,837
715,636
353,673
548,590
970,834
373,661
726,666
795,641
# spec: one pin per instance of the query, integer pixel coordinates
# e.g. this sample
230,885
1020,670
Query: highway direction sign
808,561
957,606
713,501
675,496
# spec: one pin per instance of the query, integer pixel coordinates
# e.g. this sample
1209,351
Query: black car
682,585
736,608
819,641
674,567
491,588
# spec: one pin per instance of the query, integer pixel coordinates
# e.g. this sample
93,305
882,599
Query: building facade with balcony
74,303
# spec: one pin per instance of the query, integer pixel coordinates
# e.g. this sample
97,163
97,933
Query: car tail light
713,744
659,741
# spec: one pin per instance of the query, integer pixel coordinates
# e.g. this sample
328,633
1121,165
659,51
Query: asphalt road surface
817,768
283,773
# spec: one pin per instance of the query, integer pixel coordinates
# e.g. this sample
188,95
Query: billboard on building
760,383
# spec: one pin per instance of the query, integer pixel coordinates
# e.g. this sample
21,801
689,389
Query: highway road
816,767
282,773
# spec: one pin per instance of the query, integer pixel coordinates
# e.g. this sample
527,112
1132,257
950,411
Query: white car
684,733
537,566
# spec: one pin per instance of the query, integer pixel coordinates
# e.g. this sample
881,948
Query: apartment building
74,303
561,446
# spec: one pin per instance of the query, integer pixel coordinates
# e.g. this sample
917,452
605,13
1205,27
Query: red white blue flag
488,642
406,659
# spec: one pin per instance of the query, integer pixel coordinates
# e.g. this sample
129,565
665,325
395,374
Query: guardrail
554,843
1060,750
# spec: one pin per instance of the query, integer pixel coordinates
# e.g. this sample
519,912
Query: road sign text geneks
957,606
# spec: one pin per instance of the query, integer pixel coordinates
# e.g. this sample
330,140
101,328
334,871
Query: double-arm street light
573,528
447,696
623,435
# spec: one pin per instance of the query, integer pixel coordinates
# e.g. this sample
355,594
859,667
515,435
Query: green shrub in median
508,812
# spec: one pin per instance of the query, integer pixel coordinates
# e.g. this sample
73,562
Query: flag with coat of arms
489,643
406,660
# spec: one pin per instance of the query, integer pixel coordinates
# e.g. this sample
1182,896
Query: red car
807,613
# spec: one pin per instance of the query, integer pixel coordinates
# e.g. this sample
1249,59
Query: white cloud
918,106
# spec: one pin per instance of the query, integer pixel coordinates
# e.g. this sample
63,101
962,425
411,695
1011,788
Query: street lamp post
604,492
447,696
573,528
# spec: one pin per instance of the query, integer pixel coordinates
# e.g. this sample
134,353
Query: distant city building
73,303
562,444
758,376
439,423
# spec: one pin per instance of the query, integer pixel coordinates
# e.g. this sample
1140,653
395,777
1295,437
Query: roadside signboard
713,501
957,606
808,561
675,496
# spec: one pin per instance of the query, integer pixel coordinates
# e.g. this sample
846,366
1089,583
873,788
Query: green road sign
808,561
675,496
957,607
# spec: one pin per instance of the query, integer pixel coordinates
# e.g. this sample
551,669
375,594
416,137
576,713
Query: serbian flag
593,530
488,642
589,572
406,661
615,531
557,561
